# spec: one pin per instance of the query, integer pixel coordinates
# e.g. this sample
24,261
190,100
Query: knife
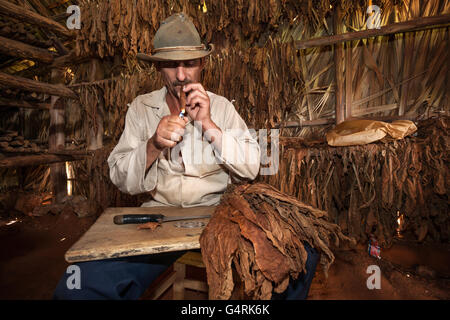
144,218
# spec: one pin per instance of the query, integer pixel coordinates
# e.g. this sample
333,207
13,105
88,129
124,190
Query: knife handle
137,218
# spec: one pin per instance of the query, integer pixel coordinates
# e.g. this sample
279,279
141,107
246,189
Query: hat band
180,48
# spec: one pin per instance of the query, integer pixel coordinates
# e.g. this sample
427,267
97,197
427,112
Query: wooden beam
24,104
306,123
19,49
95,134
36,86
35,160
348,80
322,122
14,11
40,8
408,68
387,118
412,25
338,70
56,140
68,59
34,42
37,5
79,152
61,16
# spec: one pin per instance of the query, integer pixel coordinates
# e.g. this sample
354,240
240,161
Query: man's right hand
169,132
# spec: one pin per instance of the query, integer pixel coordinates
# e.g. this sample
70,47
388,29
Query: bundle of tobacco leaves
261,232
111,27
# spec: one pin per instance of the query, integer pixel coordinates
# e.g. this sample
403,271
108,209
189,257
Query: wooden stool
176,277
190,258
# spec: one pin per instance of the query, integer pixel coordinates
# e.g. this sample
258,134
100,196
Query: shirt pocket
201,162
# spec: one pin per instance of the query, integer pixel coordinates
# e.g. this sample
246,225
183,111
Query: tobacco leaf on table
149,225
261,232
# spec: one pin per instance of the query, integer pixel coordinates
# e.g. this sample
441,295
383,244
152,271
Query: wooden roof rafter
406,26
12,10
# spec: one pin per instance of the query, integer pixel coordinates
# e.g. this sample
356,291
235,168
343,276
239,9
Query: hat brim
178,55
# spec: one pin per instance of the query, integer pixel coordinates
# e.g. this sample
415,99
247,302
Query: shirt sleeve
128,159
240,151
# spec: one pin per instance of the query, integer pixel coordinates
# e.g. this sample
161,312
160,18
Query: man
182,159
211,137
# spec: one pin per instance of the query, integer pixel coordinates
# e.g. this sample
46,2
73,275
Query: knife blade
154,217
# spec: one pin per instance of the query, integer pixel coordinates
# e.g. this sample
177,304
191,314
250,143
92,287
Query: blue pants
298,289
128,278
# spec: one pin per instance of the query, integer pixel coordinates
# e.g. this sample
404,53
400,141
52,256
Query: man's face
178,73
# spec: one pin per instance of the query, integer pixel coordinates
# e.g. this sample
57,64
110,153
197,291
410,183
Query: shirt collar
157,101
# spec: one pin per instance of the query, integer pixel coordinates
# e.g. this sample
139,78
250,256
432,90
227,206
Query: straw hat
177,39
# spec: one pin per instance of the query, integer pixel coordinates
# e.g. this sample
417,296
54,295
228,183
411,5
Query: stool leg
178,285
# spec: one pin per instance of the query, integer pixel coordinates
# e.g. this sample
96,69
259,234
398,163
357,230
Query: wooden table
106,240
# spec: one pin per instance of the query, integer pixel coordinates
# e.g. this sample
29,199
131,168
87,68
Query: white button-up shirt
193,173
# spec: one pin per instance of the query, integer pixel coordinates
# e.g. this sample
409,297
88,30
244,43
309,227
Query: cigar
182,103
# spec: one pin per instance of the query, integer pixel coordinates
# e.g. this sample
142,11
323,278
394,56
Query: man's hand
197,102
169,132
198,108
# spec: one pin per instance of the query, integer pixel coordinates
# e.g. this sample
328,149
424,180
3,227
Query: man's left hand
197,102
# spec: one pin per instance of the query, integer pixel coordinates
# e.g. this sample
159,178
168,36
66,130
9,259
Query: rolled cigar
182,103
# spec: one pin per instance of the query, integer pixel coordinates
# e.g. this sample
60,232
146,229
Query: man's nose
181,73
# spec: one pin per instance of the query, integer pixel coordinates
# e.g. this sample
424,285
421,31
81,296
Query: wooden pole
412,25
56,140
306,123
24,104
62,50
95,136
322,122
17,12
339,79
43,44
67,60
40,8
35,160
36,86
408,50
348,80
19,49
387,118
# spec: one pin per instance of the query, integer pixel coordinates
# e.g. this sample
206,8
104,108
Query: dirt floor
32,262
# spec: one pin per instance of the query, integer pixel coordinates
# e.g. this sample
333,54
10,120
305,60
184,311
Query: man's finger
196,94
173,135
166,142
197,101
194,86
177,120
175,127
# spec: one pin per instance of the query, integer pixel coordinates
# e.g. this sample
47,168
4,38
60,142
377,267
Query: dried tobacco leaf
149,225
261,233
